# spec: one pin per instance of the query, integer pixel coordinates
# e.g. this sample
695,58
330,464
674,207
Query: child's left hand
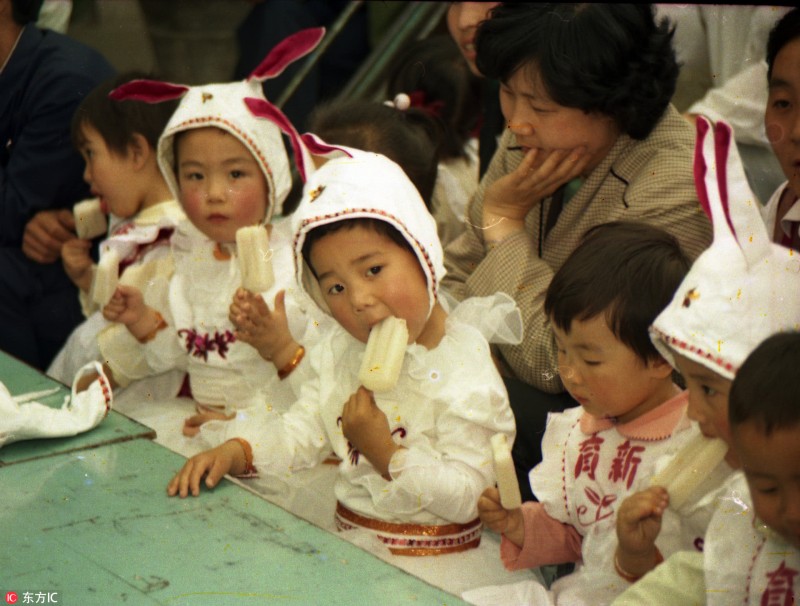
366,427
264,329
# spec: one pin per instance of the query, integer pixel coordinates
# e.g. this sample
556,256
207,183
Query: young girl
412,457
433,76
600,303
716,319
230,170
782,119
118,141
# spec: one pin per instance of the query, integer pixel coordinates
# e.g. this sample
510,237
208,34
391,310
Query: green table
96,526
20,378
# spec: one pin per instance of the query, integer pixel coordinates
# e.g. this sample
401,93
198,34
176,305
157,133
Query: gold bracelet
292,364
161,324
249,468
632,578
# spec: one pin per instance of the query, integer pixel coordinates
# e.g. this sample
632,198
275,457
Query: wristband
632,578
292,364
161,324
249,469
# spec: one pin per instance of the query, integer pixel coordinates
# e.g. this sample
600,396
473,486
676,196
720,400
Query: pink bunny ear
722,150
318,147
301,145
149,91
700,167
286,52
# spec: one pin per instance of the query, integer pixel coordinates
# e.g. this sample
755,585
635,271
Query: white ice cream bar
255,258
90,220
510,497
383,357
106,278
691,465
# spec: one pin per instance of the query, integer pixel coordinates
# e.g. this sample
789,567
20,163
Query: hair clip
401,101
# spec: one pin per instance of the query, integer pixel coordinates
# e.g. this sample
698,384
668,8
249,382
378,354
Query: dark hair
382,227
611,59
409,138
784,31
625,270
25,11
118,121
434,67
766,389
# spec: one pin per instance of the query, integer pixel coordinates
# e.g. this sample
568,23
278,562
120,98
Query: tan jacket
649,180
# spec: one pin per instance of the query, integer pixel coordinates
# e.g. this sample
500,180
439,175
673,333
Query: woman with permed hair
591,138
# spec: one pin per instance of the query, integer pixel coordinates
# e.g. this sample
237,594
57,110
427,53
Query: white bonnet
361,184
743,288
223,106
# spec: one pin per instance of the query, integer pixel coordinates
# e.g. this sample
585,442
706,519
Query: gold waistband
414,539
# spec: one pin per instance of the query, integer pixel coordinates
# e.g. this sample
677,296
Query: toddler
600,305
436,80
752,548
416,457
782,121
230,170
118,141
738,292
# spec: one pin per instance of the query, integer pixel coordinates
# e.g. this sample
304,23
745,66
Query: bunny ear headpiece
223,106
303,145
743,288
364,185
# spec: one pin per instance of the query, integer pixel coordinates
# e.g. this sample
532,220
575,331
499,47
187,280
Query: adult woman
585,91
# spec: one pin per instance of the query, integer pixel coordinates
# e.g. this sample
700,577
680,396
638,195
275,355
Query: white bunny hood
743,288
360,184
222,105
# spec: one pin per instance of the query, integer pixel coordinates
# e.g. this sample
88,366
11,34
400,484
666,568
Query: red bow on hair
418,100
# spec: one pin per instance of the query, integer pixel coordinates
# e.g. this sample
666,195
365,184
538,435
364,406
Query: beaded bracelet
249,468
292,364
161,324
632,578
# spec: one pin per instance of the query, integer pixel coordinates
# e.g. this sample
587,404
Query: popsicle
691,465
106,278
383,358
510,497
90,220
255,259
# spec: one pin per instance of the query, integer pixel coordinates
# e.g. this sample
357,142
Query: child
600,304
435,79
782,119
230,170
118,141
408,138
738,292
758,537
412,457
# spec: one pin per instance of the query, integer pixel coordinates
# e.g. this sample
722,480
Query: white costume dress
746,562
200,337
142,244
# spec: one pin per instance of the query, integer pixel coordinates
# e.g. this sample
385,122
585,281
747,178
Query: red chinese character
780,588
626,463
589,456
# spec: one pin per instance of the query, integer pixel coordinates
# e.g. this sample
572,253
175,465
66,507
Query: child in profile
416,456
433,76
600,304
118,141
752,547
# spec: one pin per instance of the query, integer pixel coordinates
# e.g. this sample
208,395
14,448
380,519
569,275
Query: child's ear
139,150
660,367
